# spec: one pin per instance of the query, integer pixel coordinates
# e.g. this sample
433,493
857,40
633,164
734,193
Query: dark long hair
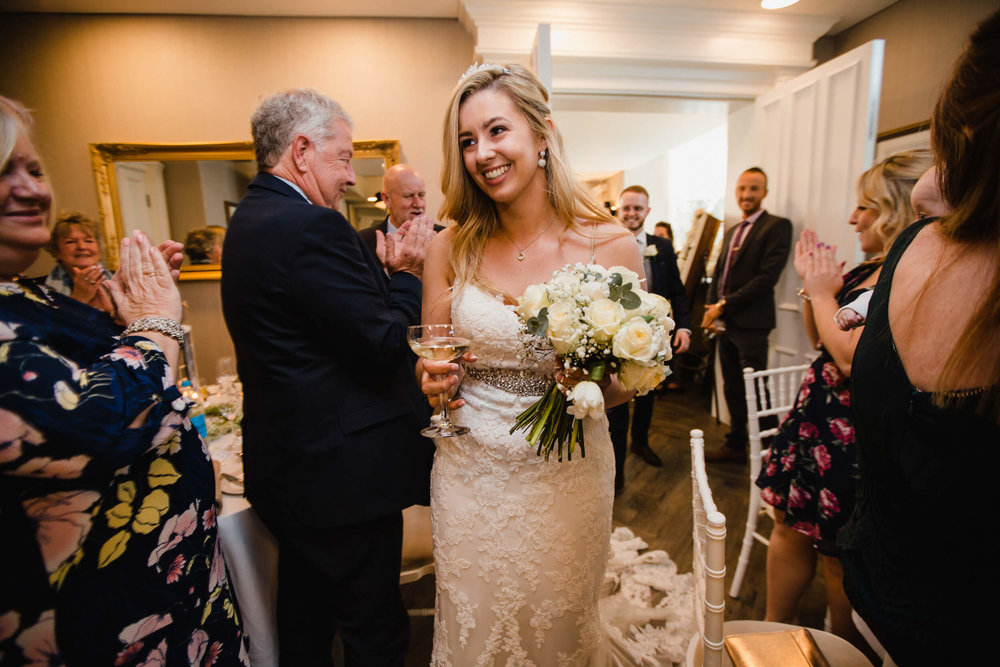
965,134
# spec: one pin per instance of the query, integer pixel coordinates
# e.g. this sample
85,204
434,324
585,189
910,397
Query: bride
520,543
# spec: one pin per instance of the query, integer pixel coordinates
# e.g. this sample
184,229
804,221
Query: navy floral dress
810,471
110,553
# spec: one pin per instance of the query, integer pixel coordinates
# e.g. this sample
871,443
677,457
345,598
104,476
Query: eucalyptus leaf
630,300
538,325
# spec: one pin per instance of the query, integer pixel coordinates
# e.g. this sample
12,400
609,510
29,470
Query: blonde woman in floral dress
810,471
107,517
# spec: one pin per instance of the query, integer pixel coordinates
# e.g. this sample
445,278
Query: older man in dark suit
663,278
331,433
741,309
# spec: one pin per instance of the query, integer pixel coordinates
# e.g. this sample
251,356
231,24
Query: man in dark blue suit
331,432
663,278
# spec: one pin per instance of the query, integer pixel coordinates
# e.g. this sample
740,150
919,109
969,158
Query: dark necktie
734,248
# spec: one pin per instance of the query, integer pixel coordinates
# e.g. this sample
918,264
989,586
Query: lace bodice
499,340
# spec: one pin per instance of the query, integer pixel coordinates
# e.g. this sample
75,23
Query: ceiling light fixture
777,4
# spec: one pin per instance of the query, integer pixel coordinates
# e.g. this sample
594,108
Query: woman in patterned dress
809,473
107,517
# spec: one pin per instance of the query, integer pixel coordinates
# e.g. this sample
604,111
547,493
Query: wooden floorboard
656,505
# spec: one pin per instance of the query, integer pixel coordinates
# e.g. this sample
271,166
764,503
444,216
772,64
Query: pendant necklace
520,250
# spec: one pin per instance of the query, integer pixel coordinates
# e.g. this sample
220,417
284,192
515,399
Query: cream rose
594,290
563,327
605,317
658,308
535,298
566,283
628,276
587,400
637,341
641,378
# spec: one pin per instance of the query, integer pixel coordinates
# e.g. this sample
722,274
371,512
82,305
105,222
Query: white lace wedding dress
521,545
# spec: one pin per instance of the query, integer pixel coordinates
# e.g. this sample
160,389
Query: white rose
535,298
605,317
594,290
587,400
650,251
566,283
628,276
641,378
563,325
658,308
637,341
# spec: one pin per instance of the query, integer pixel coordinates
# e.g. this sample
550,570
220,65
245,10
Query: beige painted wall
99,78
922,40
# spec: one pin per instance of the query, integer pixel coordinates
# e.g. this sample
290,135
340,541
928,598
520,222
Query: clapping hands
817,265
405,250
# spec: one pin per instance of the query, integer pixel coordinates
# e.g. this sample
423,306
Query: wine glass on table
439,342
225,371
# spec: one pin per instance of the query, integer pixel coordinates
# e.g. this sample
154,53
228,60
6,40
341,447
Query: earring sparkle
541,159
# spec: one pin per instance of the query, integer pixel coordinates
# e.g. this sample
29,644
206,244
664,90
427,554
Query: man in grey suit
741,302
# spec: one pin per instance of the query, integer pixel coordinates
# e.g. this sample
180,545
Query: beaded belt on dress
513,381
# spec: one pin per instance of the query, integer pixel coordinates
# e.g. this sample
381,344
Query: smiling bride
521,544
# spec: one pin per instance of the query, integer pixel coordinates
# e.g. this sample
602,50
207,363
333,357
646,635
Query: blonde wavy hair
14,121
474,213
886,188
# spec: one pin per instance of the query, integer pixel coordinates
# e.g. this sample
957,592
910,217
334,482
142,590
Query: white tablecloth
251,553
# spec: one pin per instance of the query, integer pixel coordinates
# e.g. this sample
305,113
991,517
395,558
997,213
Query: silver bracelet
163,325
803,295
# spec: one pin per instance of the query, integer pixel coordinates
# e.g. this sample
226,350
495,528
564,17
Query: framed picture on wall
906,138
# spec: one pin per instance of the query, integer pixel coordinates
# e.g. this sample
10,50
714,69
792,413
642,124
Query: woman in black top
926,387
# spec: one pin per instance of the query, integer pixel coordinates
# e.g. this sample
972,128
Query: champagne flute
439,342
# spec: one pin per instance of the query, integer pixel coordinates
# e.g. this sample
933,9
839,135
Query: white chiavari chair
769,392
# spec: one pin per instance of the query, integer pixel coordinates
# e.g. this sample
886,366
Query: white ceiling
703,49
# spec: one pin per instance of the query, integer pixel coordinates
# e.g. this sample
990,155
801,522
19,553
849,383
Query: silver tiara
483,67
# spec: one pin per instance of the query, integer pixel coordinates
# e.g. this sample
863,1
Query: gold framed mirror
167,190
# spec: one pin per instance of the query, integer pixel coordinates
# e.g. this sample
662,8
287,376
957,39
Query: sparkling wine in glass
439,342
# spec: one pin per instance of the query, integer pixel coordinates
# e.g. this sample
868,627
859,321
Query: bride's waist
517,381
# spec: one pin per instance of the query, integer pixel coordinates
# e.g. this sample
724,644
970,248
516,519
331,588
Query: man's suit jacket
368,233
755,271
331,431
667,279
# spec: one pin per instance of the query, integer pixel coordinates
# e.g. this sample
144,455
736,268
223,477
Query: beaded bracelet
163,325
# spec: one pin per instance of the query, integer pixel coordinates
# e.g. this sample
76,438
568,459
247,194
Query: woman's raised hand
823,273
143,285
807,244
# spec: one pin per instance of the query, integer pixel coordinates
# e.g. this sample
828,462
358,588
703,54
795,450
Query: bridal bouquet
598,321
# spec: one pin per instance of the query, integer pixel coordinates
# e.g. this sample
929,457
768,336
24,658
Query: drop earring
541,159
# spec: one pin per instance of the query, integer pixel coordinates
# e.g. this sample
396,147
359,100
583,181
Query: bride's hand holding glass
439,346
438,377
